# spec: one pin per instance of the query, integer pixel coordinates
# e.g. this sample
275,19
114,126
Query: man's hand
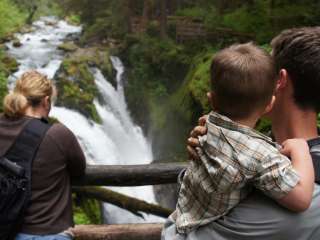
193,141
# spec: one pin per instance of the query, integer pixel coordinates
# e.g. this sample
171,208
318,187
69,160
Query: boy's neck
250,122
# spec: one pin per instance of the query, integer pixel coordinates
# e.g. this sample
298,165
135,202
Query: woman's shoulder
60,131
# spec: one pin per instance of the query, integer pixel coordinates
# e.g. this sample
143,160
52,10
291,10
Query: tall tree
163,19
147,12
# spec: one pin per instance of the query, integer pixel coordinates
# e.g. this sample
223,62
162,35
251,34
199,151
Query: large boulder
75,80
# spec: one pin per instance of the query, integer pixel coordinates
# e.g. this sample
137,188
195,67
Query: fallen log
118,232
131,204
130,175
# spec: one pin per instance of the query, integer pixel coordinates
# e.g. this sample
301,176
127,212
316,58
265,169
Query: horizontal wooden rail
151,231
130,175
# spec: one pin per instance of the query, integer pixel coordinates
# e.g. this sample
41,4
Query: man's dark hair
243,78
298,51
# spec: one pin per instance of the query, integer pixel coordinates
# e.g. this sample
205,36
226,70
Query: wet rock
26,29
9,37
10,64
77,89
44,40
68,47
73,37
97,57
75,80
16,43
50,23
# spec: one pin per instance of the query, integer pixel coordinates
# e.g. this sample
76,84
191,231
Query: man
297,56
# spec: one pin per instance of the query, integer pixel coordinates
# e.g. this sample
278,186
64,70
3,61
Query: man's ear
212,99
270,105
282,80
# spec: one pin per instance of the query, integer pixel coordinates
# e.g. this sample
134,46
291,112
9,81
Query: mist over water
117,140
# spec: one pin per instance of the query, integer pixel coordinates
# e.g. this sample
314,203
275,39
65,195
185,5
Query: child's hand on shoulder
294,146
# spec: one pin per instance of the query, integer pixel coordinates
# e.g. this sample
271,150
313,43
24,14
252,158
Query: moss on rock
68,47
75,81
8,65
77,88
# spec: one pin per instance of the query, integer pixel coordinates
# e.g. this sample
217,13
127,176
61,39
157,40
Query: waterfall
117,140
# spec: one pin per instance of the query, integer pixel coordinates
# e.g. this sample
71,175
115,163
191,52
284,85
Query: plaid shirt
233,159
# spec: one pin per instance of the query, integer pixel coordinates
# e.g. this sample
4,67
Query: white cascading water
117,140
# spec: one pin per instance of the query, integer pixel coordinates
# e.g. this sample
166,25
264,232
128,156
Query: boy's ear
270,105
212,99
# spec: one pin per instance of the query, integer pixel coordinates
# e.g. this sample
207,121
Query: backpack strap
26,145
314,145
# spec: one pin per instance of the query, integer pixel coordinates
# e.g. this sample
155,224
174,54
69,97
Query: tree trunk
147,11
127,4
163,19
31,14
131,204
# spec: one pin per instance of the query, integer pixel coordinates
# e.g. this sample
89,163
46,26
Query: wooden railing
131,175
128,175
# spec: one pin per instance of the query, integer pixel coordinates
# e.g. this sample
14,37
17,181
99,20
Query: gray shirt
259,217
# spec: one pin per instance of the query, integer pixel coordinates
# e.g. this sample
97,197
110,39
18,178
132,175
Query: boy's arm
299,198
290,184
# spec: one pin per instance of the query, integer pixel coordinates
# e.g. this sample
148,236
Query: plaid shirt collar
227,123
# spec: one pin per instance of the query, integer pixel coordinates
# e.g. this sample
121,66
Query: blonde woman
58,158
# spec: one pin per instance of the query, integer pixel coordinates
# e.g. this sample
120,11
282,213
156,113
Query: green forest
166,54
166,46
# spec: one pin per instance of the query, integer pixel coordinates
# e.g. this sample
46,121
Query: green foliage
264,126
194,12
3,88
74,19
86,211
161,59
157,68
265,20
8,65
11,17
209,15
199,79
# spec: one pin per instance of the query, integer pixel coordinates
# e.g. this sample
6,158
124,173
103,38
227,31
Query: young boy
234,157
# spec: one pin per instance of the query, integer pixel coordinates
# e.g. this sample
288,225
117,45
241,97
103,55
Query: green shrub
11,17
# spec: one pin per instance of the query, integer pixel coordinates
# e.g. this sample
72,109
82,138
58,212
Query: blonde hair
29,90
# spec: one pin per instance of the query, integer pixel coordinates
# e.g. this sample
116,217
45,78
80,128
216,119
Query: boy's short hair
298,51
243,78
